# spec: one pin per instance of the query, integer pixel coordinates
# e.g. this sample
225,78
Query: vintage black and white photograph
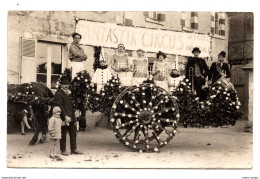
130,89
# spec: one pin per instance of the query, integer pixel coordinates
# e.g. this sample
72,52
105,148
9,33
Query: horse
36,97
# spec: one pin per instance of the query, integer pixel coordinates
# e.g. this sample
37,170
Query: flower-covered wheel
144,118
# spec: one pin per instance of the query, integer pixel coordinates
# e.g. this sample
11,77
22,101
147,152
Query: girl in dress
54,128
160,71
120,63
140,68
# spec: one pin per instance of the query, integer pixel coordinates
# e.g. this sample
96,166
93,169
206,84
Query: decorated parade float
143,117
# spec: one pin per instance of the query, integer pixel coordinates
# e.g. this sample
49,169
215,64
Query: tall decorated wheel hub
144,118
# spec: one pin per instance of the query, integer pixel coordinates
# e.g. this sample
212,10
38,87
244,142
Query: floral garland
221,106
224,106
109,94
80,87
29,97
97,51
187,103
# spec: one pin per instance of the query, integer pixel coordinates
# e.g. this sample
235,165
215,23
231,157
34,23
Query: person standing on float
140,68
160,71
121,64
76,55
219,69
197,71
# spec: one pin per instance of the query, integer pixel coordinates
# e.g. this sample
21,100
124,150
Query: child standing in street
54,128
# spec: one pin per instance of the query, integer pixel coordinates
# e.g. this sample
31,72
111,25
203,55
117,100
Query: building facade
38,41
241,58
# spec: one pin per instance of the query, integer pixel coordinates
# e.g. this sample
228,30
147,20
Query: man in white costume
102,74
175,78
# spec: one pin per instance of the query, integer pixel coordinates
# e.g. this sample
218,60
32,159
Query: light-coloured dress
174,82
122,62
54,127
101,77
161,79
140,70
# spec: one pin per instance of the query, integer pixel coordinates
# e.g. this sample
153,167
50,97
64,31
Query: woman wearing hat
219,69
140,68
160,71
120,63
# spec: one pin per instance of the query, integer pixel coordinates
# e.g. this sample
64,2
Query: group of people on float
135,71
131,72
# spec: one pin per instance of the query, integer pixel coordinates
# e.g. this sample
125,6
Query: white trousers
75,68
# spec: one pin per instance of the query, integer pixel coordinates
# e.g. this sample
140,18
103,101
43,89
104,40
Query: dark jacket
204,70
214,74
62,99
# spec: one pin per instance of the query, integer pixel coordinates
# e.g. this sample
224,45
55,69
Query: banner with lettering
150,40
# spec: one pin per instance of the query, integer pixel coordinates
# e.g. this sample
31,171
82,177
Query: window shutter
194,20
128,22
28,48
28,60
161,17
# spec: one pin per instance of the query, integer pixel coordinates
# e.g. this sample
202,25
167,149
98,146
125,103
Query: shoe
42,141
64,153
23,133
31,143
52,157
58,158
76,152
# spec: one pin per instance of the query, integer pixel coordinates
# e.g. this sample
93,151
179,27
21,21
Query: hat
75,33
161,53
64,80
139,50
121,45
222,53
196,49
56,109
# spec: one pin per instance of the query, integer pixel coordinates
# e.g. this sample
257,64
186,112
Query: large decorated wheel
144,118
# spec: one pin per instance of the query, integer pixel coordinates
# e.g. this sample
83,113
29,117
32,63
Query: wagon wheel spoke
157,138
143,117
127,133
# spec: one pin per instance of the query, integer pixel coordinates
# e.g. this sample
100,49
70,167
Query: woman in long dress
160,71
140,68
120,63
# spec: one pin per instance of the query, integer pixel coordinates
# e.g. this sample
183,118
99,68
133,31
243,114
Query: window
154,17
218,23
41,61
189,21
48,63
194,20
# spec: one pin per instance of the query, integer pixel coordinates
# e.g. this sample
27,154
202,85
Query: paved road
190,148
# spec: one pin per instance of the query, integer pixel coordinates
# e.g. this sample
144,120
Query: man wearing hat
63,100
219,68
196,71
76,55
